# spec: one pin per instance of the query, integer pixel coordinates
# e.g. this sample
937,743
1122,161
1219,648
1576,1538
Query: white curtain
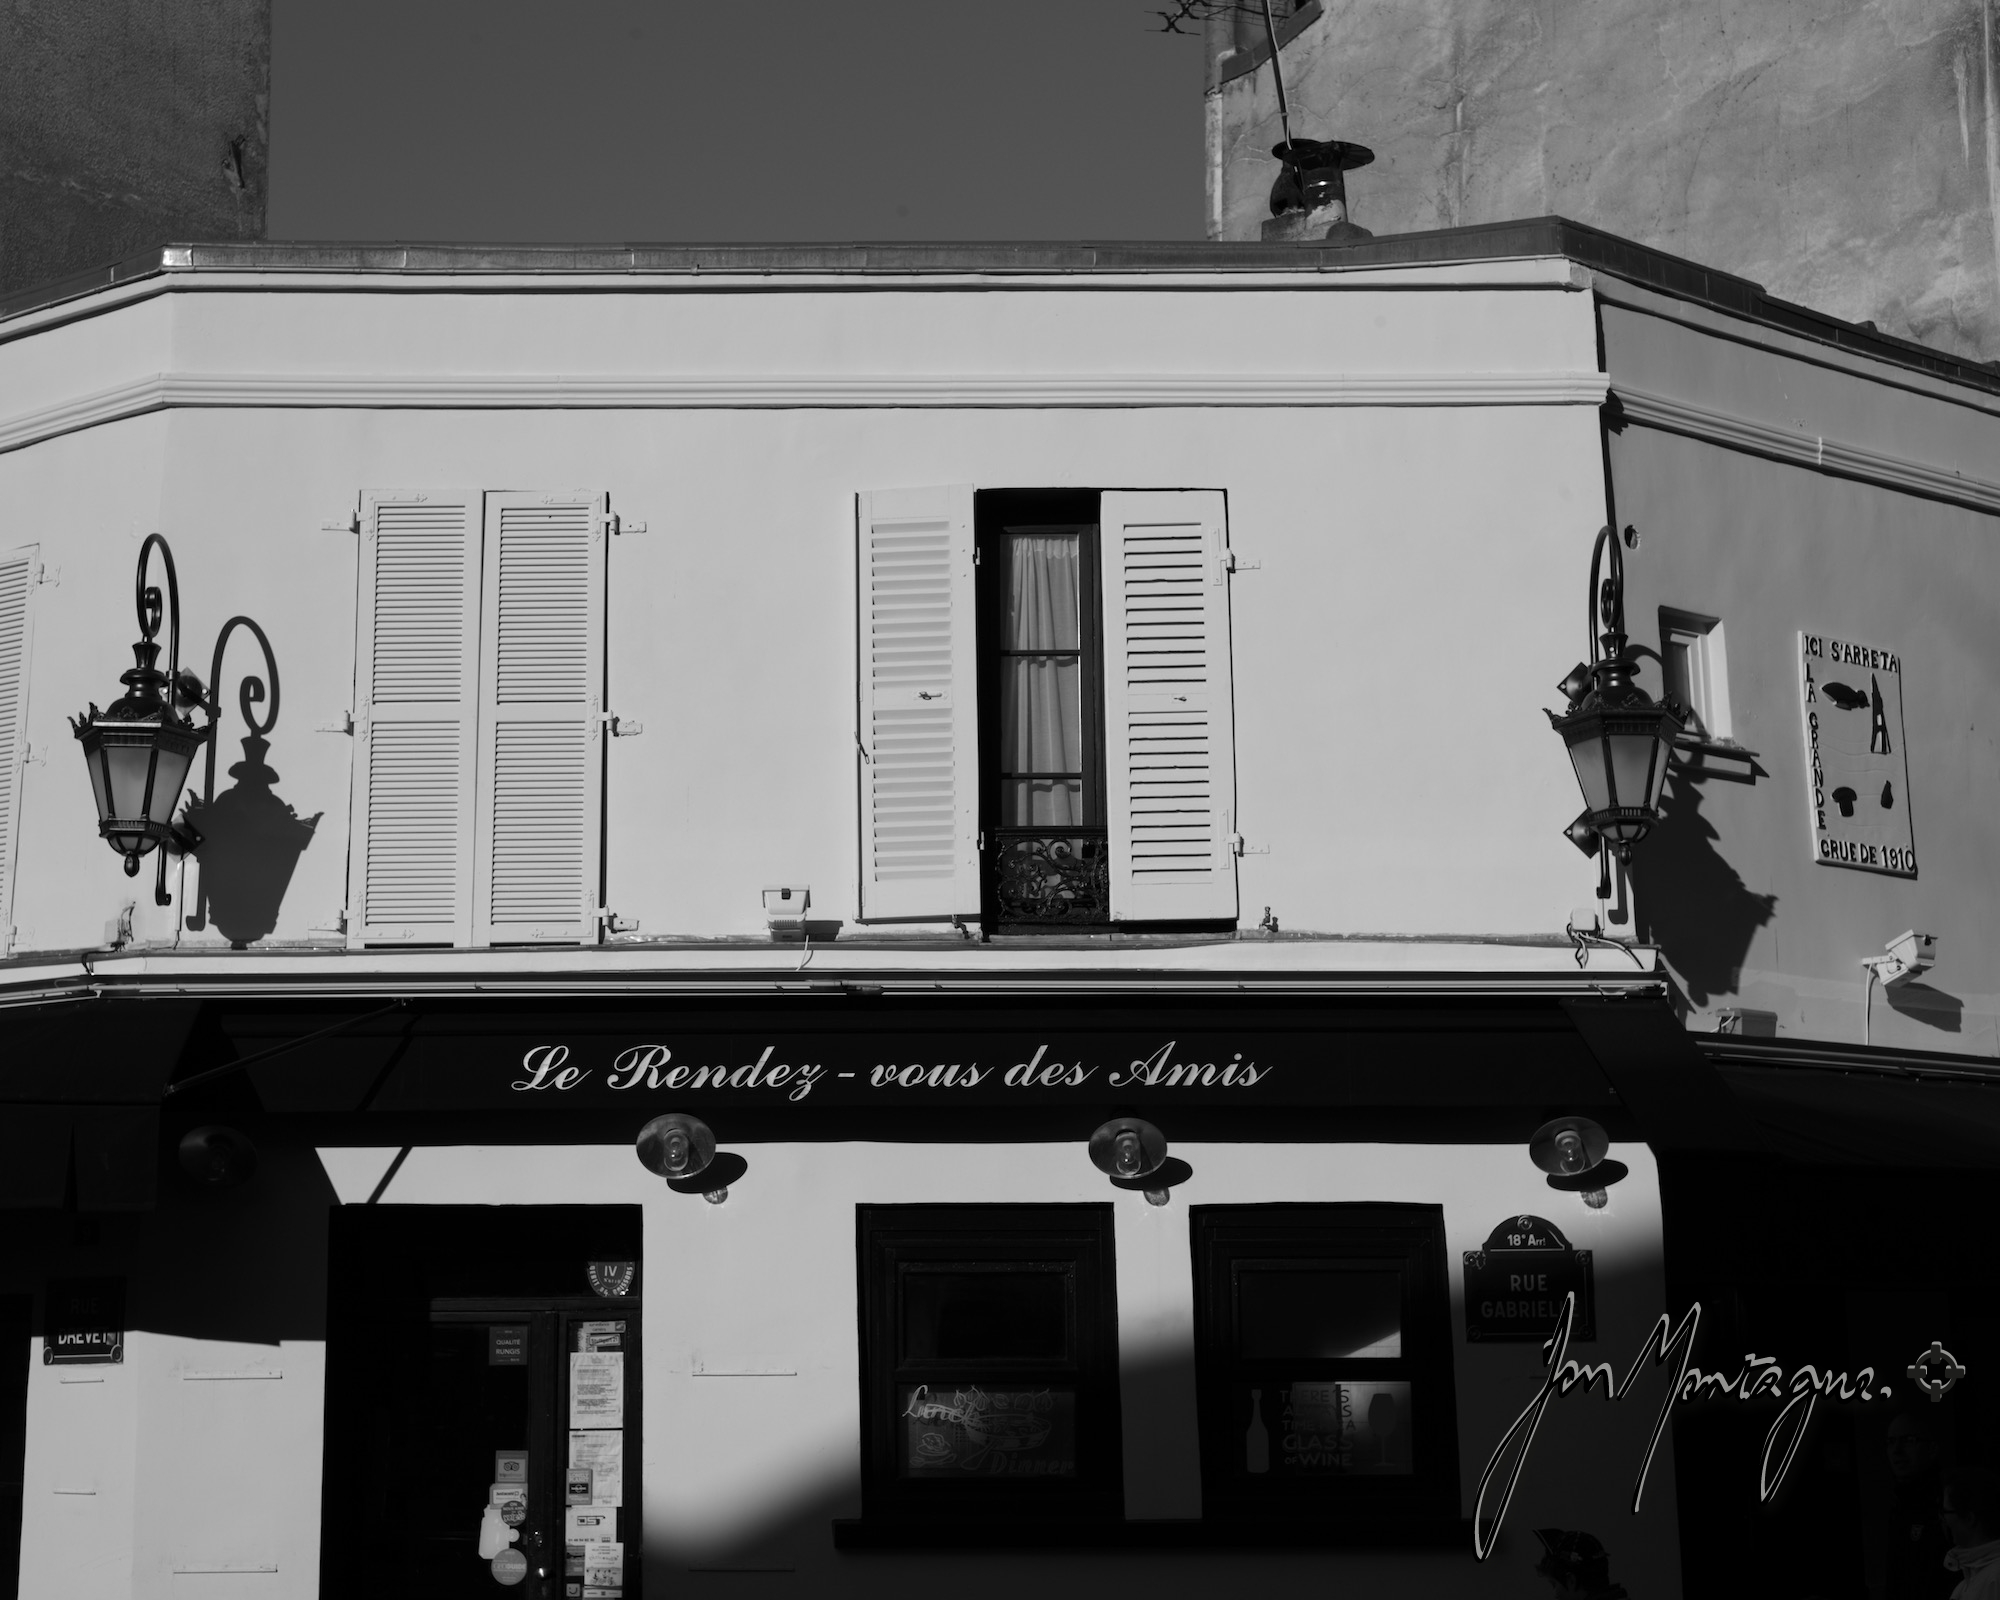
1041,697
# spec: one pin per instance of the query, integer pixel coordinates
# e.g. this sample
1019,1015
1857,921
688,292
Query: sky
637,121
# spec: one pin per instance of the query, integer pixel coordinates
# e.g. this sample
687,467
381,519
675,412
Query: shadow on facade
1695,905
251,840
1920,1002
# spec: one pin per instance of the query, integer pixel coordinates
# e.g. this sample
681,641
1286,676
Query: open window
1696,669
1324,1373
989,1363
1046,717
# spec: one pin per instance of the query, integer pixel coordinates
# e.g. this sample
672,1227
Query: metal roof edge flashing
1829,1056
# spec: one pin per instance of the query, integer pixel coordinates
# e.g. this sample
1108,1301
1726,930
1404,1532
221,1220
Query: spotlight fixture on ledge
1130,1152
1573,1151
681,1149
1617,735
140,747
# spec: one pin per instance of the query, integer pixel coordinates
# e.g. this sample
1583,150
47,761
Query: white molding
1805,449
682,391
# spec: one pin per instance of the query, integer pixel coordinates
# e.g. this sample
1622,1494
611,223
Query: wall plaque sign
85,1324
1858,769
1514,1288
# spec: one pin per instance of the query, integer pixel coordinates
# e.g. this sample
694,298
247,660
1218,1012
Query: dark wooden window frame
889,1240
1086,847
1332,1235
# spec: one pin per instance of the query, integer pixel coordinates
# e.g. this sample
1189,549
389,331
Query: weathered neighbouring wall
124,125
1843,153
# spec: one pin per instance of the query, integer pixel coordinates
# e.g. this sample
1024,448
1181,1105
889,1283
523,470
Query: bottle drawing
1257,1440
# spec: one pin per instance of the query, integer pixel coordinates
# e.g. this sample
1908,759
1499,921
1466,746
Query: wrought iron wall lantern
682,1150
1617,735
140,747
1574,1152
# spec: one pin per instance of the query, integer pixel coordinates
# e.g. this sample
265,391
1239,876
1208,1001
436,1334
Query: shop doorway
482,1426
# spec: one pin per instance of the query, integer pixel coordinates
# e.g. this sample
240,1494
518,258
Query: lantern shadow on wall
251,840
1693,903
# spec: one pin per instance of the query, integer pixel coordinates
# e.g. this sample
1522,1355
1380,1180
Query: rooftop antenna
1284,107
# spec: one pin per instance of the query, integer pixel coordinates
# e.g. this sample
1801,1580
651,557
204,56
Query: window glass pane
1325,1314
973,1432
1295,1430
1041,714
982,1316
1041,802
1042,591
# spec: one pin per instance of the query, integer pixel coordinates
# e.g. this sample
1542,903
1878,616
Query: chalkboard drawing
1846,698
1844,798
1257,1441
933,1449
1888,796
1007,1434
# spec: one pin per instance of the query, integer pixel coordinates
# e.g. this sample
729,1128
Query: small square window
1323,1340
1697,671
990,1356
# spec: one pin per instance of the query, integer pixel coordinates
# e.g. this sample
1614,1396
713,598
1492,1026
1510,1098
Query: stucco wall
127,125
1729,884
1843,154
735,609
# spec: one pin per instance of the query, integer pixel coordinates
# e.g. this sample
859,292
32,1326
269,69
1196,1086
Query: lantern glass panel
169,774
1666,740
1586,754
1632,749
93,751
130,762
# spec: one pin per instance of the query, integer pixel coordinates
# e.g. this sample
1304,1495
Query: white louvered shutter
1170,757
918,706
17,583
541,720
417,679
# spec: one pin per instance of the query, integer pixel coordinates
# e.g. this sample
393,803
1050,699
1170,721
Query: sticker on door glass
596,1389
600,1452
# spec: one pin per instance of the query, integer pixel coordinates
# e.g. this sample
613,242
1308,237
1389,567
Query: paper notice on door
589,1524
600,1335
597,1389
602,1452
603,1569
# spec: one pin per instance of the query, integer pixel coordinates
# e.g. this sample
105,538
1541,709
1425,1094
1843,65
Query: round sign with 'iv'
509,1567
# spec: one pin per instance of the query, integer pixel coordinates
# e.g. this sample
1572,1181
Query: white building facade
910,709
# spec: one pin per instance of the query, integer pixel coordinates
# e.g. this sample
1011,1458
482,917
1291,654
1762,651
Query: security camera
1910,955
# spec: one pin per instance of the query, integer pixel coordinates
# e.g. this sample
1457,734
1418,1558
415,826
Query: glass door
518,1480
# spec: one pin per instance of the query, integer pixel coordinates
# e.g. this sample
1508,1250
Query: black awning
111,1152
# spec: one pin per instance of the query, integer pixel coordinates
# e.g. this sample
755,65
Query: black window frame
891,1240
1335,1235
996,514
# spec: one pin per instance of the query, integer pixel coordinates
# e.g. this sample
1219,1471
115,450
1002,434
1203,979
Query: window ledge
1696,745
883,1533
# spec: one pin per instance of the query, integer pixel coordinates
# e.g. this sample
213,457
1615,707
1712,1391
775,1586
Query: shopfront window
990,1346
1324,1376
